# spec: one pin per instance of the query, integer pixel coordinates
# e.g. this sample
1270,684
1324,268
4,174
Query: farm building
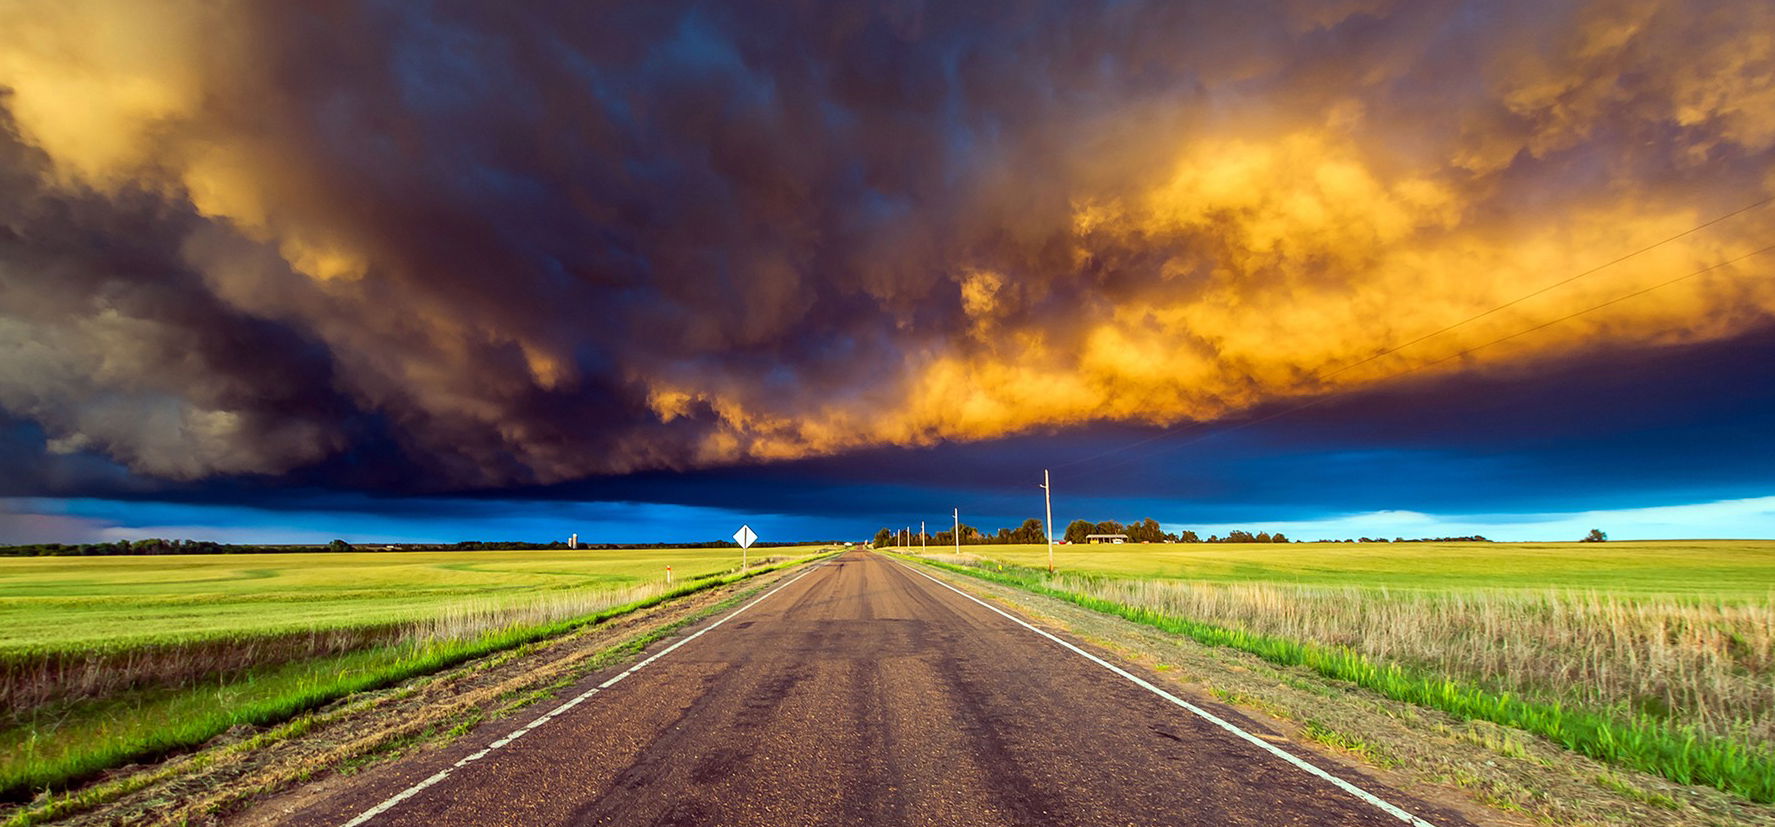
1106,538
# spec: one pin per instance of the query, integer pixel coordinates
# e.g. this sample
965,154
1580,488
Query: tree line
149,546
1475,538
1078,531
1139,531
1029,532
158,546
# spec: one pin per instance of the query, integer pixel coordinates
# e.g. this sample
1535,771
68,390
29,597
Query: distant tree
1077,529
152,545
338,545
1187,536
1596,535
884,538
1278,537
1146,531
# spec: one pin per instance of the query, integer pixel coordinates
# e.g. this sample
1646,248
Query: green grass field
77,603
1707,569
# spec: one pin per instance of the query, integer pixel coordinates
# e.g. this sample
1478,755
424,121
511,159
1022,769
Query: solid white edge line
1341,784
550,715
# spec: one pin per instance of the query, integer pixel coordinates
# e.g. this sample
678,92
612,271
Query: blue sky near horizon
47,520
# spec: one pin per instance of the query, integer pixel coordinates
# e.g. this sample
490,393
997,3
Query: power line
1561,283
1616,300
1470,319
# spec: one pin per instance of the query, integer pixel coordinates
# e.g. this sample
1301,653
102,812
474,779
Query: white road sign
744,536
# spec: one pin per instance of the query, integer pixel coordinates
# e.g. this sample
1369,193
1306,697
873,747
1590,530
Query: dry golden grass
28,681
1711,665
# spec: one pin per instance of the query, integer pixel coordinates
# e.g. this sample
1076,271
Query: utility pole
958,532
1048,496
924,543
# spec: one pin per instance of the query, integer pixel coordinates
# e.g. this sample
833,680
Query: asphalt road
865,693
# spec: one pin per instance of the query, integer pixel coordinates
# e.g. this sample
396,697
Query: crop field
81,603
1661,655
1708,569
106,660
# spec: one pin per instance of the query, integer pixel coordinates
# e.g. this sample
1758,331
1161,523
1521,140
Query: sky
429,271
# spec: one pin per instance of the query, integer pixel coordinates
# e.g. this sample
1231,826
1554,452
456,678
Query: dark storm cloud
469,246
1676,425
110,343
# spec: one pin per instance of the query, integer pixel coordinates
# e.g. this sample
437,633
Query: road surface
864,692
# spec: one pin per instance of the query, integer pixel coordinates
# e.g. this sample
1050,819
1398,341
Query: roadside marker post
668,574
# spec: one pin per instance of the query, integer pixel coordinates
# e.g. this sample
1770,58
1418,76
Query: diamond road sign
744,536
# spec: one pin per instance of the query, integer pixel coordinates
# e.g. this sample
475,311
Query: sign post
745,538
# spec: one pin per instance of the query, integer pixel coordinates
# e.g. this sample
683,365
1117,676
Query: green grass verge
115,733
1678,753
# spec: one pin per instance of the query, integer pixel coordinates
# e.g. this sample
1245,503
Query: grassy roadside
1677,752
99,736
74,628
201,786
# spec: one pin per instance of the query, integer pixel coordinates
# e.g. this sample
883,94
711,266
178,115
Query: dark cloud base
1673,425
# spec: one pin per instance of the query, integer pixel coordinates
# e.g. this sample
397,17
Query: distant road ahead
864,692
